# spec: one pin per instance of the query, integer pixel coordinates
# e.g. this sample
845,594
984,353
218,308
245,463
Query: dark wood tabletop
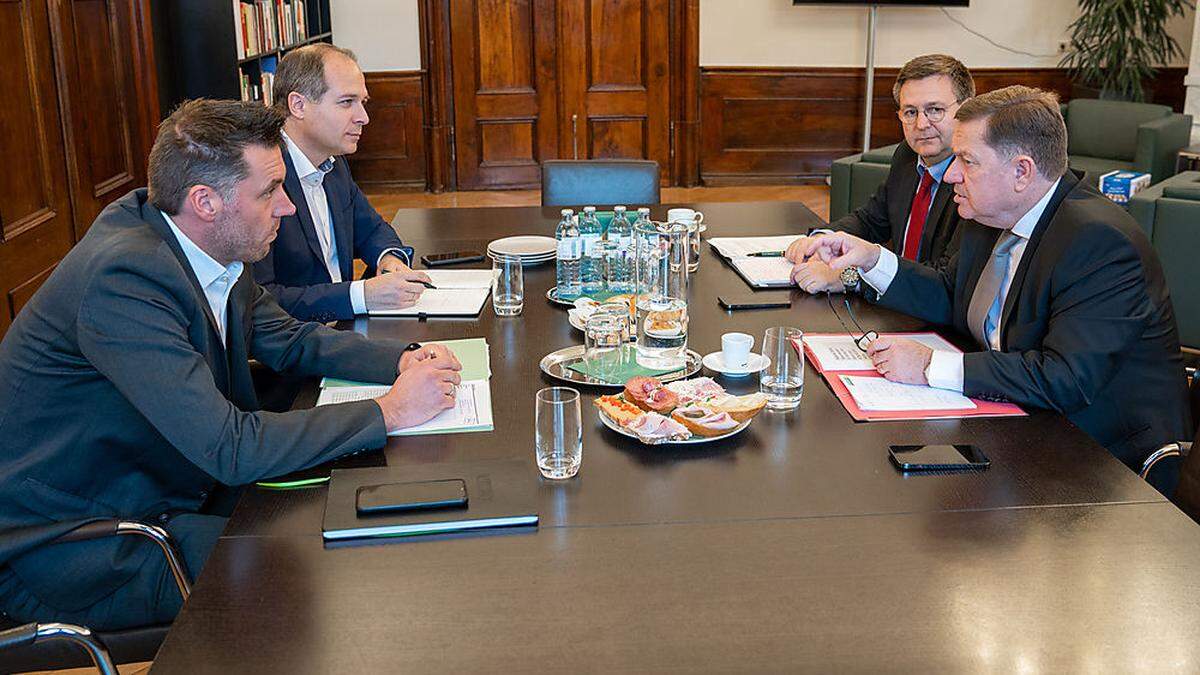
794,545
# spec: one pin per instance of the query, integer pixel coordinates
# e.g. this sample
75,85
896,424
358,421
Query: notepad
738,247
458,293
775,272
876,393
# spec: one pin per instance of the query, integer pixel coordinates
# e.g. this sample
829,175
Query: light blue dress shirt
216,279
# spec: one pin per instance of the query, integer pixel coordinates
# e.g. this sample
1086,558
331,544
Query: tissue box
1120,186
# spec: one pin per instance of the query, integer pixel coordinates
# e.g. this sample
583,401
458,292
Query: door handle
574,136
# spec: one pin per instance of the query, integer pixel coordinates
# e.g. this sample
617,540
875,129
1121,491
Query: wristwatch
412,347
851,279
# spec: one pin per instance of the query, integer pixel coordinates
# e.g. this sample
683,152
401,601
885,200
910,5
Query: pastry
703,421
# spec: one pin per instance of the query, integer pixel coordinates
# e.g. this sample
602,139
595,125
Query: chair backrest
599,182
1108,129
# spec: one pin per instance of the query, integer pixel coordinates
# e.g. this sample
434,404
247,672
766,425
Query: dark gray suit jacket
1087,328
884,217
118,399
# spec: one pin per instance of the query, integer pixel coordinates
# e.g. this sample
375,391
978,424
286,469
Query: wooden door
106,132
615,79
505,117
35,210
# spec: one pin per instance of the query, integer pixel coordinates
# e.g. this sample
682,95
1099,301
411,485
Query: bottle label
568,248
589,243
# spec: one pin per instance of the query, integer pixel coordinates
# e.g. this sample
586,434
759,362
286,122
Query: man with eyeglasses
911,212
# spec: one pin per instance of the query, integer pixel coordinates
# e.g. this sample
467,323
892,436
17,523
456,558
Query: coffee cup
735,349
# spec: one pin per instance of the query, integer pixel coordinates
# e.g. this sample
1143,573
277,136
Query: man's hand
409,359
838,250
815,276
420,392
792,254
396,289
900,359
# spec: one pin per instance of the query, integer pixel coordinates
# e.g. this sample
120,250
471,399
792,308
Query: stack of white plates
529,249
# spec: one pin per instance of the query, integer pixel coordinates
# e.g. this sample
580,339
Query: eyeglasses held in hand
867,337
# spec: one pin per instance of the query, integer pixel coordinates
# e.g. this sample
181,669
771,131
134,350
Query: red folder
982,408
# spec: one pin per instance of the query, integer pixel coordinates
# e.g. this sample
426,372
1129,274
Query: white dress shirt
216,279
945,370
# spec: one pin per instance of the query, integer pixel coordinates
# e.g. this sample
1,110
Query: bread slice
703,421
618,410
740,408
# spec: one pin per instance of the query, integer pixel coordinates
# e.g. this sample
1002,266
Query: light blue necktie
987,291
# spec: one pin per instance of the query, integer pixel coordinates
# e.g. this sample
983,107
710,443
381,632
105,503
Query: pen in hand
424,283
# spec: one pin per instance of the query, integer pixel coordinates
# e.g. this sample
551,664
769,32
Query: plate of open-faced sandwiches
685,411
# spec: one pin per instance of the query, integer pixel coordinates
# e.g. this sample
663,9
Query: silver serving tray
555,365
611,424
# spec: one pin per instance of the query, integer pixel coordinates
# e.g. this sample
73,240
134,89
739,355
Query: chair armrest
1168,450
1159,142
114,527
839,186
31,633
1143,205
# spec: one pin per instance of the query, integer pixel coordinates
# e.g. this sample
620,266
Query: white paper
764,271
737,247
838,352
443,302
462,278
878,394
472,406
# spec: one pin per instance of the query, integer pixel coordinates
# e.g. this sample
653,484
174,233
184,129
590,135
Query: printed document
458,293
876,393
738,247
838,352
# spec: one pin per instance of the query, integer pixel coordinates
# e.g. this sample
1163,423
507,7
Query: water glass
606,334
783,378
508,286
558,432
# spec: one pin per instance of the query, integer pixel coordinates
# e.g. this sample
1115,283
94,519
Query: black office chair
599,182
37,646
1187,494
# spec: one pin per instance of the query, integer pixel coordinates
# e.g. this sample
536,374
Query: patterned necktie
916,218
983,314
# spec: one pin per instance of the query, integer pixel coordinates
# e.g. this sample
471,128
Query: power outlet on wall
1062,46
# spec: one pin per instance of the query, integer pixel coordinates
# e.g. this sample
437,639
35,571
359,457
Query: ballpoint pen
426,284
766,254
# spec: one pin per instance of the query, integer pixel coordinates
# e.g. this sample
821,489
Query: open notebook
774,272
458,293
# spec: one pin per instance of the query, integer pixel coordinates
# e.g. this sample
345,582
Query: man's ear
1025,171
204,203
296,104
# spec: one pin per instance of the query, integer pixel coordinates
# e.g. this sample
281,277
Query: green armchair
1105,136
1170,213
853,179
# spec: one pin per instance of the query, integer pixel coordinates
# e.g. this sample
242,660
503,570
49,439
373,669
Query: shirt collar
304,167
206,269
937,170
1024,226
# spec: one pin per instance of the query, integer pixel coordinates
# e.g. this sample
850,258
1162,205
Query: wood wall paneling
392,151
788,124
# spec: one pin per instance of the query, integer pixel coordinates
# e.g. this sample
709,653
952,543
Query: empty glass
508,286
783,378
605,336
558,432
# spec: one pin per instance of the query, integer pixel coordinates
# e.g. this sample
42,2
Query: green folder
472,353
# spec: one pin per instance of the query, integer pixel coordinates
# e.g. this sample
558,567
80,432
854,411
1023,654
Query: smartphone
755,300
452,258
399,497
938,457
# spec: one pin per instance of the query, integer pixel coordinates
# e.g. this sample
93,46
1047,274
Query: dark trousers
150,597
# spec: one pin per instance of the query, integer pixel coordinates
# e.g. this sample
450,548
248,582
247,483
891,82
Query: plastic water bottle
592,272
620,239
569,253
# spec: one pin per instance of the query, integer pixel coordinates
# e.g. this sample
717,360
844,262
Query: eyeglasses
867,337
934,113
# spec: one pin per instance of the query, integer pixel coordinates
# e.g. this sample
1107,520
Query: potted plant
1116,45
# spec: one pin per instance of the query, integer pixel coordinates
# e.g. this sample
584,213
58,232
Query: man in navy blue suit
311,264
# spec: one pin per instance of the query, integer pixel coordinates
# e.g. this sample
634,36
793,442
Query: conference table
795,545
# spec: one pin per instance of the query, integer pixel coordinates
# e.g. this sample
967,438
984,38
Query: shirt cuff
358,297
398,252
881,275
945,370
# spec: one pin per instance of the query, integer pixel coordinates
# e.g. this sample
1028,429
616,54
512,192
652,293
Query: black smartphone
395,497
452,258
755,300
938,457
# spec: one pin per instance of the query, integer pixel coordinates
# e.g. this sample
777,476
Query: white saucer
716,361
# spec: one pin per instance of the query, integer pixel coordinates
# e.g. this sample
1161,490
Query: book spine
239,28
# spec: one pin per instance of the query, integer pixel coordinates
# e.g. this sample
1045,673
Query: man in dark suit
911,212
310,267
1058,286
125,389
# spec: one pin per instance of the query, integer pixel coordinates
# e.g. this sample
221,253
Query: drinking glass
508,286
606,334
783,378
558,432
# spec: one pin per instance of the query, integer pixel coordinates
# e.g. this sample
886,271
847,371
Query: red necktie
916,219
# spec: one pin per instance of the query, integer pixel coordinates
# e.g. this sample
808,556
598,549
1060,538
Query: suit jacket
119,399
1087,327
883,218
294,270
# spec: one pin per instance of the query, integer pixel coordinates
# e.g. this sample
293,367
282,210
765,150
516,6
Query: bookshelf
230,48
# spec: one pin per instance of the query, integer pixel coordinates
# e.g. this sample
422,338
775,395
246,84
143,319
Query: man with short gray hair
1058,286
322,93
